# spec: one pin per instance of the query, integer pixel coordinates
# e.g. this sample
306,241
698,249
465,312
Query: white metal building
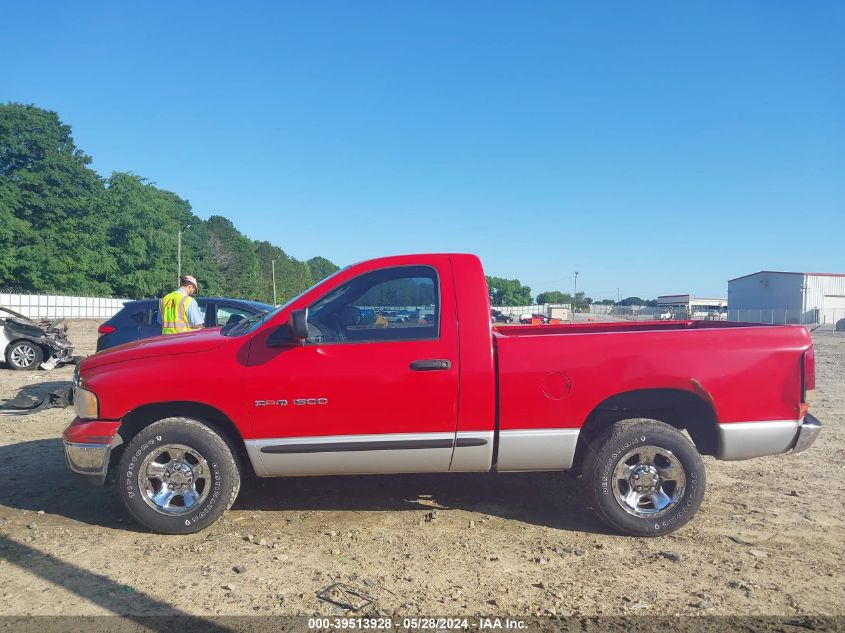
697,307
803,297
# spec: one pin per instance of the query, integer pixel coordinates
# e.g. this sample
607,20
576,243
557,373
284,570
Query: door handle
431,365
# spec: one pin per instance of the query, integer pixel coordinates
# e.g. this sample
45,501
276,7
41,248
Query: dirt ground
768,540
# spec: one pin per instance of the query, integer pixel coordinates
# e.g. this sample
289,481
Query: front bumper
91,460
88,445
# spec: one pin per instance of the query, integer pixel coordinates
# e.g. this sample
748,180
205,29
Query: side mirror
293,333
299,324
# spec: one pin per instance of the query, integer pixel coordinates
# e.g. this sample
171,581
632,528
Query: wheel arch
681,409
136,420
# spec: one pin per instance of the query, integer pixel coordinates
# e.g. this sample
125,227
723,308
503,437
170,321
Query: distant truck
313,389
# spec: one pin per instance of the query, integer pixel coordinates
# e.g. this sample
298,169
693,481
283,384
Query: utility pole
618,296
575,292
273,264
179,256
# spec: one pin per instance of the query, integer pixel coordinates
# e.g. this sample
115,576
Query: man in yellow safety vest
178,311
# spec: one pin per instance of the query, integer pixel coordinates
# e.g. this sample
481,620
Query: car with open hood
27,344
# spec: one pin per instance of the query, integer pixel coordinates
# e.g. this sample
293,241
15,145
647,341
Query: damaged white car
28,344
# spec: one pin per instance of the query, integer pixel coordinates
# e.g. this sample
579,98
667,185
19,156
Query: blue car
139,319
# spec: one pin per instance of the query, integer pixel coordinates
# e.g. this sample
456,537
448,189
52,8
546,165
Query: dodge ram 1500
313,388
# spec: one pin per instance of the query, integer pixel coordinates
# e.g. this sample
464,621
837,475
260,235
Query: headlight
86,404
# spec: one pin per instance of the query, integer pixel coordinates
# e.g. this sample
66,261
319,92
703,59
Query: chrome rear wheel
648,481
643,477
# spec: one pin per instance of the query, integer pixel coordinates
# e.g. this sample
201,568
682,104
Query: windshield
250,325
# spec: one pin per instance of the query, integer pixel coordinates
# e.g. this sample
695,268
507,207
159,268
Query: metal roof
782,272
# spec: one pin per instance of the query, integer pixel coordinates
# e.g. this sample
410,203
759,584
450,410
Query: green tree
143,222
50,206
554,296
196,256
320,268
235,257
292,276
632,301
12,230
582,301
508,292
64,229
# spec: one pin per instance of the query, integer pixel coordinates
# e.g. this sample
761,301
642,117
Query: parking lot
768,540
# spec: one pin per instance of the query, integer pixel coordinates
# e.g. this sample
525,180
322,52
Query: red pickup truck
327,385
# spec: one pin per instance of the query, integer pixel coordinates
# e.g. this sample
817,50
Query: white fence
833,319
648,313
61,307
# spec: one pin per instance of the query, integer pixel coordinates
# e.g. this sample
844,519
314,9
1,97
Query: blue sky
653,147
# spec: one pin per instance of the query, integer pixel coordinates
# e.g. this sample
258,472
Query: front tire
178,476
24,355
644,478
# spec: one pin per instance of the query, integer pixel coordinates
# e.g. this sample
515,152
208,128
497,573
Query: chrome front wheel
178,475
173,479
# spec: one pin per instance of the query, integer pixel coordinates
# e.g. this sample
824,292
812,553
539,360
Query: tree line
64,229
511,292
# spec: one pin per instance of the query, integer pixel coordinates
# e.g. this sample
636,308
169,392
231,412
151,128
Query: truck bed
744,372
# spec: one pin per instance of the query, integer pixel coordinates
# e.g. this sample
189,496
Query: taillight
808,371
105,328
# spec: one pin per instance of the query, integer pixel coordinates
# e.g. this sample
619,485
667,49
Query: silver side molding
356,454
536,449
471,456
744,440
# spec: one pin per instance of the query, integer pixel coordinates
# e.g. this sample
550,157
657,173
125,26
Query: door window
227,313
393,304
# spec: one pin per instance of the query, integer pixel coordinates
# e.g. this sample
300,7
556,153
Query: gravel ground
768,540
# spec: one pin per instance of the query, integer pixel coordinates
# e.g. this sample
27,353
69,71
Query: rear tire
644,478
24,355
178,476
